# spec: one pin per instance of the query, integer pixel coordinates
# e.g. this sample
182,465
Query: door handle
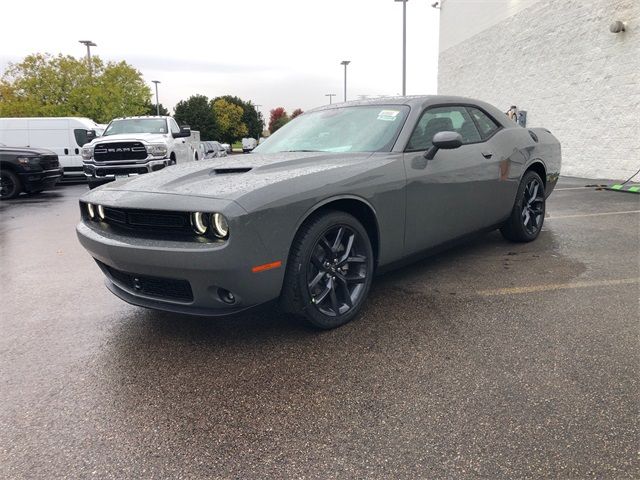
487,154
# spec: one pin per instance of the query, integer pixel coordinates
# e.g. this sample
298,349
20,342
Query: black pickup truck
30,170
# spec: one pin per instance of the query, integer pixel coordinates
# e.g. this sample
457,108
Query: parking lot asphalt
493,359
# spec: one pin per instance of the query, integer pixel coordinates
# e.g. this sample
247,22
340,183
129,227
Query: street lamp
404,46
345,63
157,101
330,95
88,44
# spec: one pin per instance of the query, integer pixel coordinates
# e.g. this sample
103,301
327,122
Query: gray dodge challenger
336,195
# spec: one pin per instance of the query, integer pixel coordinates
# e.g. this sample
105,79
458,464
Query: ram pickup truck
133,146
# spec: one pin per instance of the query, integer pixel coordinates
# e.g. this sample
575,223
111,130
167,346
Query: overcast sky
274,53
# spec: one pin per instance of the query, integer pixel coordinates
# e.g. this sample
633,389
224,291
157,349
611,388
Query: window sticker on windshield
388,115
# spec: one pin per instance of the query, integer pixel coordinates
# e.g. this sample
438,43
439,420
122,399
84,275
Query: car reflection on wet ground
492,359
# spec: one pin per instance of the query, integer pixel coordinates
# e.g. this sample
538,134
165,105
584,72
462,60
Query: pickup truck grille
118,151
49,162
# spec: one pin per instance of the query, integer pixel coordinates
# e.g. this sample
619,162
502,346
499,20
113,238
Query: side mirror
443,140
91,135
184,132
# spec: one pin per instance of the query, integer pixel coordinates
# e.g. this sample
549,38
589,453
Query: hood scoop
231,170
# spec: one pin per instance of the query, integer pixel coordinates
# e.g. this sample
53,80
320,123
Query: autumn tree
43,85
229,119
250,115
197,112
296,112
278,118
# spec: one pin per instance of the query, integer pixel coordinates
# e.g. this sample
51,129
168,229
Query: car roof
412,101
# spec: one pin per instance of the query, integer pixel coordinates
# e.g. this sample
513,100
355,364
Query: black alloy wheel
329,270
533,206
337,271
10,186
527,216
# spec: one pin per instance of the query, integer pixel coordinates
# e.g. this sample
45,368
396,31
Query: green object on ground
633,188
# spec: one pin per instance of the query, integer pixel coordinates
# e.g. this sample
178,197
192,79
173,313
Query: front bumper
109,171
210,269
40,180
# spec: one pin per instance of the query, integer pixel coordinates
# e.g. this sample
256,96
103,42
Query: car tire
10,185
330,270
527,217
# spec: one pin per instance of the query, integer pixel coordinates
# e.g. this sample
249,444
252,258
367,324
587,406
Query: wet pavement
493,359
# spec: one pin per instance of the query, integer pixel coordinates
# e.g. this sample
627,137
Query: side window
81,136
174,126
440,119
486,124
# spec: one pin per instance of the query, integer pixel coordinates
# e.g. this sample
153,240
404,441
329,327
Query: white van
62,135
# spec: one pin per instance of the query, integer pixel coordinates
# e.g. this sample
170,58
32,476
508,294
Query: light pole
330,95
88,44
157,101
345,63
404,46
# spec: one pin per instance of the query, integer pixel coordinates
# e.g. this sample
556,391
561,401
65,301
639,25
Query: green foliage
196,112
229,119
296,112
250,115
151,110
43,85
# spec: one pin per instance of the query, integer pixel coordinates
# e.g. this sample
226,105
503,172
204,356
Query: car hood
142,137
26,151
232,177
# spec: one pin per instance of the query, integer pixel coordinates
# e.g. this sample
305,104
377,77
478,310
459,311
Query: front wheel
10,185
527,216
329,271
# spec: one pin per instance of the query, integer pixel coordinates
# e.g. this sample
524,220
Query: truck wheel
329,271
10,185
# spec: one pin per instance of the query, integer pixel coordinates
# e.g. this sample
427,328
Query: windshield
136,125
371,128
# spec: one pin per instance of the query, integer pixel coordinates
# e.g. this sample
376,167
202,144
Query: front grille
49,162
149,220
108,152
159,287
101,172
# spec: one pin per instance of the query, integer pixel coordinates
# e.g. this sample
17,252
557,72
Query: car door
180,144
446,196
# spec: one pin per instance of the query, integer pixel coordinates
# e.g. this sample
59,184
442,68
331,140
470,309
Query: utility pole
345,63
330,95
404,46
157,101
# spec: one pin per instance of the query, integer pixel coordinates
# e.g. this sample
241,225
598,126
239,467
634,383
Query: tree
43,85
196,112
250,115
278,118
151,109
229,118
296,112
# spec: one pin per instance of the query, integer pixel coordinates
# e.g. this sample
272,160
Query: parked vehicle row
213,149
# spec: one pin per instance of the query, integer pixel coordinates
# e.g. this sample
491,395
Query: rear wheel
329,271
527,216
10,185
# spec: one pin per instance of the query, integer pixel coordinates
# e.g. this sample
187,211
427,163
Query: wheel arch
539,167
357,206
4,165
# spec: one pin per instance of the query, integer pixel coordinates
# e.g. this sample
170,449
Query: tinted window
485,123
441,119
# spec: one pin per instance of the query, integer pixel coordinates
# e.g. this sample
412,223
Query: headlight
87,153
100,212
198,220
220,225
91,211
157,150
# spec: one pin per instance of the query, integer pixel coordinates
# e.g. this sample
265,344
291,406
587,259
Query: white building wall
557,60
